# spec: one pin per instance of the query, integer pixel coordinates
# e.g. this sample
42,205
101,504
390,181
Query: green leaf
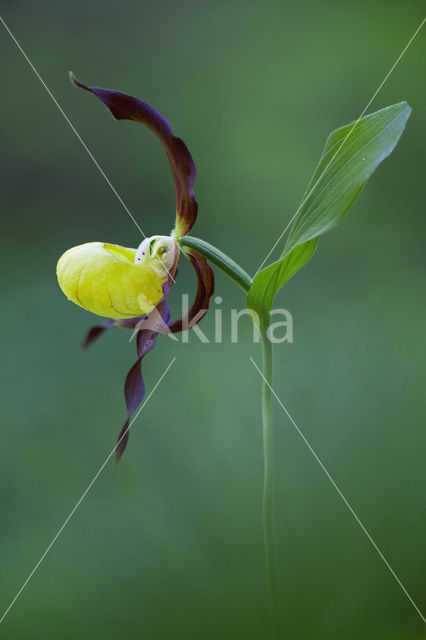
269,280
350,156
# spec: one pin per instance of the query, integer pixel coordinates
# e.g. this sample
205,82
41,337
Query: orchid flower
130,286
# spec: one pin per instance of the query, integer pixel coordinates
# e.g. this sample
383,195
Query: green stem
219,259
238,275
268,480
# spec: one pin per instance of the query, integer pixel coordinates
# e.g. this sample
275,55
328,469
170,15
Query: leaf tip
76,82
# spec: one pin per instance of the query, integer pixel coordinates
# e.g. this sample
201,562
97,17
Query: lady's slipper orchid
130,286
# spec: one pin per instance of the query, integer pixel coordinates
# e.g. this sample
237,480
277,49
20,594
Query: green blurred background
169,544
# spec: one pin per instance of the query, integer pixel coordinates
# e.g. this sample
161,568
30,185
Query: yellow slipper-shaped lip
104,278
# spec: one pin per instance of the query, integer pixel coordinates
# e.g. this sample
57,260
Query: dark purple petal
122,441
127,107
128,323
95,332
134,387
205,288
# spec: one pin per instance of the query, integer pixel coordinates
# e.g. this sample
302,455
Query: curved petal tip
127,107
